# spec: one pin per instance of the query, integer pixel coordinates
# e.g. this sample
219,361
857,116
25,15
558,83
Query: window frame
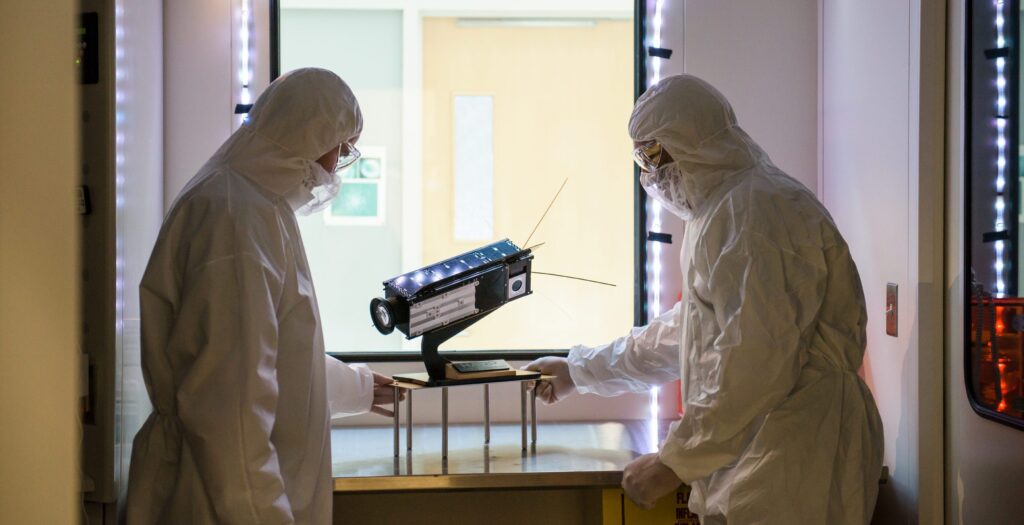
977,43
640,237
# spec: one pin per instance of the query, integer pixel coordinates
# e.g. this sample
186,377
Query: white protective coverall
778,426
232,348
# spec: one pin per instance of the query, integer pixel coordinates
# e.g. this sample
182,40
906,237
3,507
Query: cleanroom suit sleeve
227,399
349,388
648,356
763,298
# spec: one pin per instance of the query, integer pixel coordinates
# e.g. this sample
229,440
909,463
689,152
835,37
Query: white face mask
665,185
316,191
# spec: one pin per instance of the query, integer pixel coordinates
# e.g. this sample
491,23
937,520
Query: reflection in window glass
472,125
362,198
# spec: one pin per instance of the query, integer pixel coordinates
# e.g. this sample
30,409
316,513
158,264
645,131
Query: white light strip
654,210
120,118
654,207
245,57
1000,204
656,42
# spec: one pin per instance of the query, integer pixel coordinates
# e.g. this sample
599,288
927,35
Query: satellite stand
438,367
443,373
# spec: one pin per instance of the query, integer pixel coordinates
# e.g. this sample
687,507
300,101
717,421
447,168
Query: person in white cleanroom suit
232,348
778,428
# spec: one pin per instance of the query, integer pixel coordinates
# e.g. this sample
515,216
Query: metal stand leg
396,414
487,414
533,416
522,408
444,422
408,422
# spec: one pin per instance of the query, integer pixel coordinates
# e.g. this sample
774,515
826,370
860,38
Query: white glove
384,395
560,386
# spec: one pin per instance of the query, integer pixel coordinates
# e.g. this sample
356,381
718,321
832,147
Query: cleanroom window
474,118
994,324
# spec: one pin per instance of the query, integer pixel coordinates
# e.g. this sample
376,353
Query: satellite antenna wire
572,277
552,203
556,305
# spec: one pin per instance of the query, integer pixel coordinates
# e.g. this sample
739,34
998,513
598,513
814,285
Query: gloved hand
552,390
647,479
384,395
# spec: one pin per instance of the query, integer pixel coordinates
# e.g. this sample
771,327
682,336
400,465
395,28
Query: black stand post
432,360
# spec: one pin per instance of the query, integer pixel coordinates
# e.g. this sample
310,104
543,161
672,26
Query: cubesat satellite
441,300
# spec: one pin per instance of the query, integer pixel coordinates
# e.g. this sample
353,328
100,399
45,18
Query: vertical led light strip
654,218
245,57
1001,116
120,99
653,206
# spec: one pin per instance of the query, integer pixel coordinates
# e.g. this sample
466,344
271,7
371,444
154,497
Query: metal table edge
478,481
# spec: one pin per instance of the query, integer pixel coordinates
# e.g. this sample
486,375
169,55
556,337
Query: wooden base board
423,380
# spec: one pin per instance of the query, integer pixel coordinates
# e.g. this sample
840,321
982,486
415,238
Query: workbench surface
576,454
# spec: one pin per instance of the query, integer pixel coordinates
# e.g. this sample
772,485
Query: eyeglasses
346,157
648,156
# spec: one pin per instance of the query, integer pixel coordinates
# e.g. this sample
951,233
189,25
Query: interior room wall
882,116
763,56
197,87
39,143
201,80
